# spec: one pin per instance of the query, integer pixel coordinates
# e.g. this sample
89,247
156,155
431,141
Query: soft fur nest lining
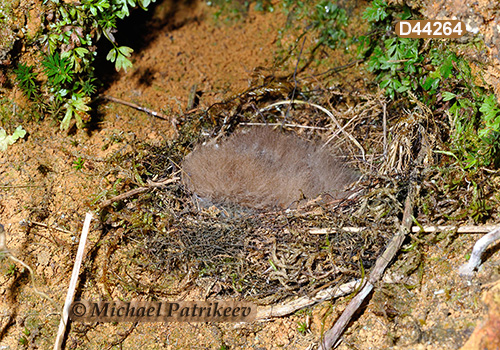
263,168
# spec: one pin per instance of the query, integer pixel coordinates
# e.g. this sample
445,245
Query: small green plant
329,20
23,341
26,79
78,164
396,64
489,130
73,28
377,12
120,55
395,60
11,270
7,140
58,70
480,210
325,19
439,78
302,328
476,130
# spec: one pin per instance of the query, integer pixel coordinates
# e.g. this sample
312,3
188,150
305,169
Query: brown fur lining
262,168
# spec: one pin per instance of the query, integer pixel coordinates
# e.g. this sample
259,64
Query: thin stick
158,115
467,270
462,229
286,125
72,284
8,187
137,191
4,250
414,229
133,105
302,302
50,227
385,128
268,312
338,69
332,335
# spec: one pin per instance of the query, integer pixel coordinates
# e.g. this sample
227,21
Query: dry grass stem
323,109
286,125
414,229
5,250
332,335
50,227
72,284
156,114
467,270
136,191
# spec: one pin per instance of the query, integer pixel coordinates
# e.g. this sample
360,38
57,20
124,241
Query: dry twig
414,229
158,115
385,128
331,336
50,227
302,302
4,250
137,191
467,270
133,105
72,284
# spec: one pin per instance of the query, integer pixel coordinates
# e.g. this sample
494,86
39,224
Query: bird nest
165,243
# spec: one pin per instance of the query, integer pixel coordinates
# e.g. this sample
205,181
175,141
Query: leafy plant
377,12
120,56
302,328
58,70
26,79
396,64
76,107
69,36
325,19
491,119
396,61
78,164
329,21
439,78
11,270
7,140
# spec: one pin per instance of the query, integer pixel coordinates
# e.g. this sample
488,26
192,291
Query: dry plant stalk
158,115
302,302
331,337
50,227
5,250
72,284
467,270
138,190
414,229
